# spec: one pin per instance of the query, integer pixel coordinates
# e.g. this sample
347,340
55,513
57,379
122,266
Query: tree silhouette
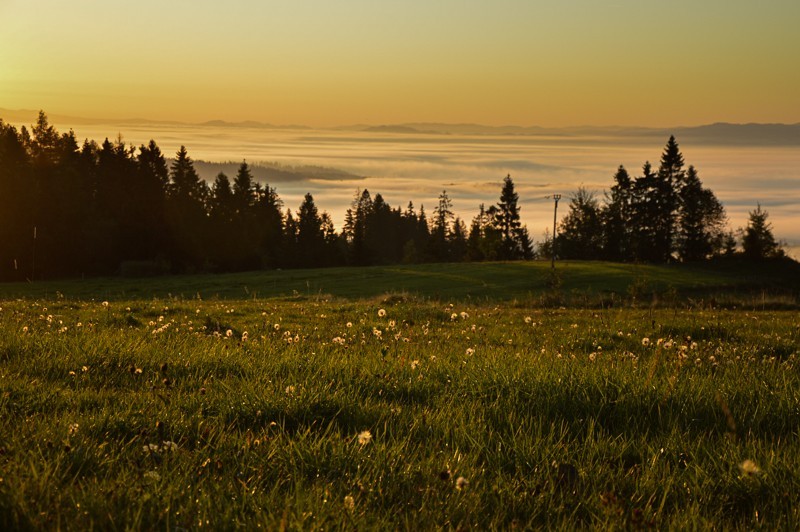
758,242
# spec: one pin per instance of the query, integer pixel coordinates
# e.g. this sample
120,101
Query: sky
334,62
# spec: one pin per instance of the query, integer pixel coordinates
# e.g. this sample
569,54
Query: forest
69,209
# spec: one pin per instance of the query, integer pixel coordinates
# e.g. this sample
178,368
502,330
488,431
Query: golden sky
334,62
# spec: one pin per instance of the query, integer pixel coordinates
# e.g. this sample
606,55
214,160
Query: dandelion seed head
749,468
364,437
349,503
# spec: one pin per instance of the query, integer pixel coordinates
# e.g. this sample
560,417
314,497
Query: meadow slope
398,410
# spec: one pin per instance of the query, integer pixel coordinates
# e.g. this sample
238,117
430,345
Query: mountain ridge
727,133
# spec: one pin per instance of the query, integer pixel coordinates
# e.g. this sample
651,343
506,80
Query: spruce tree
507,222
581,233
758,243
616,218
440,232
669,181
701,221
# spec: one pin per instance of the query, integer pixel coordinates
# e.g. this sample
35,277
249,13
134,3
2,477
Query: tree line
71,209
662,215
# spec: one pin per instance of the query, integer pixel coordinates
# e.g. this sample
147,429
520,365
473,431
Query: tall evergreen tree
440,232
646,211
186,214
514,241
581,234
669,182
310,235
243,188
616,217
701,221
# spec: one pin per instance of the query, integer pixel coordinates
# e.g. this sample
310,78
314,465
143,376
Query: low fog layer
416,166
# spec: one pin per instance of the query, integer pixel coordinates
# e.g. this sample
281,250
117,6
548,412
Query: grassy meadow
441,396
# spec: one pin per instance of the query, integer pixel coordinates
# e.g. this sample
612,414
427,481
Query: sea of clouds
417,167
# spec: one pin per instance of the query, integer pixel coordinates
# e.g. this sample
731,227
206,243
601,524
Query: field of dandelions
395,413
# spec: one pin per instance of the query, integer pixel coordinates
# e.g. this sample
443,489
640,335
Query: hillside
576,283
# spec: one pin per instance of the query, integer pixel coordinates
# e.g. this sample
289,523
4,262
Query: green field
577,284
441,396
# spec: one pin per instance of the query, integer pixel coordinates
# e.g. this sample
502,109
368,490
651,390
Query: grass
243,411
579,283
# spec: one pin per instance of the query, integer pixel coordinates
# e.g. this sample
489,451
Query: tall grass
174,413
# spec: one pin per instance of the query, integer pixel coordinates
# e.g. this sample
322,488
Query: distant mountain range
721,133
273,173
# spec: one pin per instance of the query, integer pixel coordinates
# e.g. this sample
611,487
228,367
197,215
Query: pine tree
669,181
758,242
616,218
186,214
507,222
581,233
458,241
185,181
646,209
440,232
310,234
243,188
701,221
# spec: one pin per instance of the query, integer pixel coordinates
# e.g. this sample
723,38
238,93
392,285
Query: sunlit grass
184,413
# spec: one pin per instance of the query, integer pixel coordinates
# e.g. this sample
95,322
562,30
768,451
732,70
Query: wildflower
461,483
228,333
364,437
453,316
277,326
528,320
169,446
244,336
464,315
290,390
381,313
414,364
151,448
105,304
470,351
349,324
339,340
377,332
73,428
349,503
749,468
25,329
645,341
592,357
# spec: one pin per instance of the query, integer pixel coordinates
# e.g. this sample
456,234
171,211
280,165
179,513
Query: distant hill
272,173
722,133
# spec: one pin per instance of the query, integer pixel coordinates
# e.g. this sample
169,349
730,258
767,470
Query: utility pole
556,197
33,262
